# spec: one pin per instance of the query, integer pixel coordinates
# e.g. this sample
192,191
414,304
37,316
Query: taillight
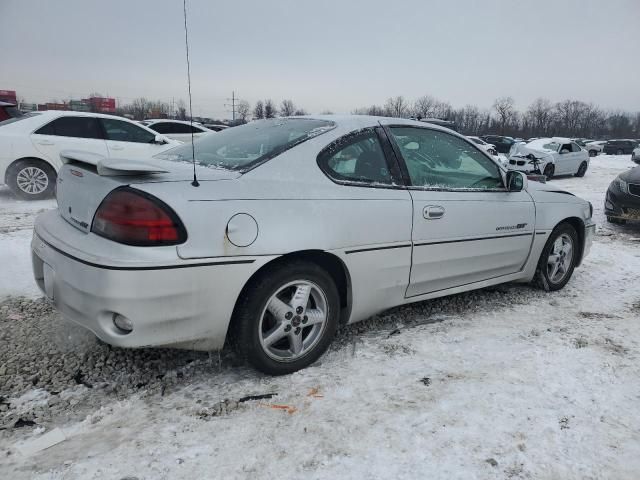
135,218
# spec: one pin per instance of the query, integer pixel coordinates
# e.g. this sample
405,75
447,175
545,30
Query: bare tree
326,112
300,111
504,107
287,108
258,110
139,108
539,116
242,109
397,107
181,110
269,109
424,107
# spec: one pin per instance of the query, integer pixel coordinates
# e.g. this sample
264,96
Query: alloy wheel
293,321
560,258
32,180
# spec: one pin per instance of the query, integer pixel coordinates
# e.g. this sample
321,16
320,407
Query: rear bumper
184,305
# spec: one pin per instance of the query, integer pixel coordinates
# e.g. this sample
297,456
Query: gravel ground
54,356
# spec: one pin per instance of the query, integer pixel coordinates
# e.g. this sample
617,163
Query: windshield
240,148
17,119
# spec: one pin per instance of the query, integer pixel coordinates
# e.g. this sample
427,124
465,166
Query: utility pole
233,105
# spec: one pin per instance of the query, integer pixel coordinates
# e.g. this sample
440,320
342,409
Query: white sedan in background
30,146
293,227
177,129
549,157
595,148
487,147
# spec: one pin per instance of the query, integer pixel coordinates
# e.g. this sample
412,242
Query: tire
617,221
593,153
254,321
619,152
31,179
582,169
546,277
549,170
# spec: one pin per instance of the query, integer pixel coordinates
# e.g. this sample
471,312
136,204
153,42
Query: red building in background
8,96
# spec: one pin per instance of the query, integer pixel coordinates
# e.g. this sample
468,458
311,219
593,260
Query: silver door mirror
516,181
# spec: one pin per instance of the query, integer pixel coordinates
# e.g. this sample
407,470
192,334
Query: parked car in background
595,148
30,146
8,110
216,262
549,156
619,147
502,144
622,202
635,155
487,147
176,129
215,127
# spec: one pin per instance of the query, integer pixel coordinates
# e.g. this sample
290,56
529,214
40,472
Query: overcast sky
328,54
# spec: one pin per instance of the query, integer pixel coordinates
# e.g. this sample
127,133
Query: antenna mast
186,42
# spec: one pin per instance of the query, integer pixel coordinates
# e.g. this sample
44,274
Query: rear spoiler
110,167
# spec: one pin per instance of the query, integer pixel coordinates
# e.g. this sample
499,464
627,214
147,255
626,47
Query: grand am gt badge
512,227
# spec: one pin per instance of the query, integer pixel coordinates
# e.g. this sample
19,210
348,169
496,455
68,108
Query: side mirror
160,140
516,181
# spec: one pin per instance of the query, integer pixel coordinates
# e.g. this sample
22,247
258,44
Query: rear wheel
549,170
31,179
286,318
582,169
558,258
619,152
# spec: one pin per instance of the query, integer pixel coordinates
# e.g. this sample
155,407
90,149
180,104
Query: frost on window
244,147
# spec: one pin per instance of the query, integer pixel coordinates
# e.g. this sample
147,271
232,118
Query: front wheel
593,153
286,318
582,169
558,258
549,170
31,179
617,221
619,152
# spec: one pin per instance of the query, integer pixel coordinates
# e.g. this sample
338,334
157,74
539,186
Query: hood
524,149
631,176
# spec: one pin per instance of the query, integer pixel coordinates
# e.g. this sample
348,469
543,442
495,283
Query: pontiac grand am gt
292,227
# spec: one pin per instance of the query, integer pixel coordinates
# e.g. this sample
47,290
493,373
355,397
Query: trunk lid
85,179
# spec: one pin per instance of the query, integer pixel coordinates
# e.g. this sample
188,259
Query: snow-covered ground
507,382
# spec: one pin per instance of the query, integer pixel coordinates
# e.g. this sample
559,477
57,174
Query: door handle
45,142
117,147
433,212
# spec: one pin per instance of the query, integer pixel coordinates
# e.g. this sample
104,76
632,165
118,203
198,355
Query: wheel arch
578,224
331,263
37,159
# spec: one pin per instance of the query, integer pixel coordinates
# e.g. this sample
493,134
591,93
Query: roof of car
71,113
151,121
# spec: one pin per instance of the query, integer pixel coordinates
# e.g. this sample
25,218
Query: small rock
492,462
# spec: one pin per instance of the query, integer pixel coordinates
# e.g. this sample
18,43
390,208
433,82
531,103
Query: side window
78,127
195,129
357,157
442,161
162,127
125,132
565,148
575,147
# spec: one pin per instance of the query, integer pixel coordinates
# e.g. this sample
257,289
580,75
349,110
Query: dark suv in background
503,144
8,110
619,147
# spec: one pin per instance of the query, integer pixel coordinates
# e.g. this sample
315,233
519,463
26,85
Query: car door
373,218
128,140
466,226
578,156
69,133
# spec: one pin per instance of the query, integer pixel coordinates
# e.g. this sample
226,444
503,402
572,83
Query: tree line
542,118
